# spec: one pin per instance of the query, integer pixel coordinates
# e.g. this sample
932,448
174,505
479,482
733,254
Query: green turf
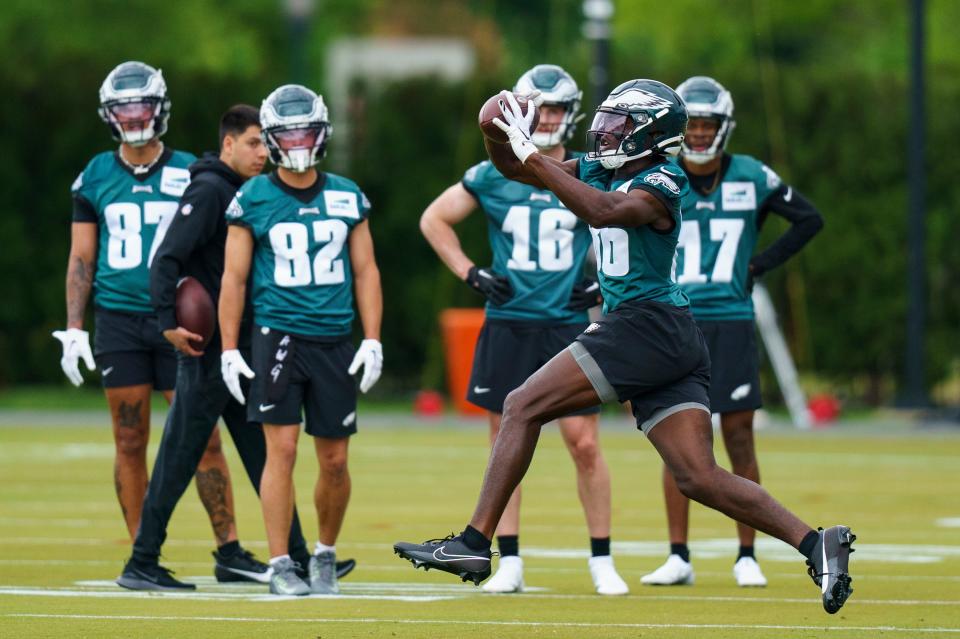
60,524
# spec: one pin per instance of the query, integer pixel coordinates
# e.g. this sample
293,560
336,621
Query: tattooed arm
80,269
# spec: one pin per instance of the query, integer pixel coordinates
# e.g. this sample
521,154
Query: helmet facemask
725,127
297,148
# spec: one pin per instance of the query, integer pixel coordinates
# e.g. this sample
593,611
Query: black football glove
494,287
585,295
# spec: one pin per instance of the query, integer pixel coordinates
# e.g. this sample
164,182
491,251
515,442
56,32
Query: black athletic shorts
735,367
650,353
130,350
508,352
295,372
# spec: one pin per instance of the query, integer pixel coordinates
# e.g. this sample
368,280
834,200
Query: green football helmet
295,127
638,118
706,98
557,87
134,102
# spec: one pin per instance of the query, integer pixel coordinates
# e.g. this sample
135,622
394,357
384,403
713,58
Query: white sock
322,547
274,560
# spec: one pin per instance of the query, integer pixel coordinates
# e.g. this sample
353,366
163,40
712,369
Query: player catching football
646,349
303,237
537,301
729,198
123,203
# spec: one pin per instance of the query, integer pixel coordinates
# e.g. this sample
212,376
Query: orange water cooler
460,328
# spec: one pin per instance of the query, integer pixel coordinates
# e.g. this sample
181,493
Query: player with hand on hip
730,197
537,301
303,238
123,204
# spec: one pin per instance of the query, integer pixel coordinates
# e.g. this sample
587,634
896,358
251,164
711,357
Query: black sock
509,545
682,550
474,539
599,546
745,551
229,549
809,543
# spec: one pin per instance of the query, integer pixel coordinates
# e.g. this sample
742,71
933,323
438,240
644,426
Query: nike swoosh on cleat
788,195
446,557
480,391
262,577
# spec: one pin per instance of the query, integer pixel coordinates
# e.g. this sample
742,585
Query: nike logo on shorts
480,391
265,407
106,371
740,392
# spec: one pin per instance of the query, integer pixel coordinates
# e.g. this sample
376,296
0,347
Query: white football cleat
747,573
509,576
674,572
605,577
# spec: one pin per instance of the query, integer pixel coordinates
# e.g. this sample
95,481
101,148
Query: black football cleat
449,554
829,566
240,566
137,576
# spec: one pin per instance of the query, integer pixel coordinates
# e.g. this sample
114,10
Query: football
491,110
195,311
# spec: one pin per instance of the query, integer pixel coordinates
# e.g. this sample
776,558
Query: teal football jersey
133,214
538,244
302,279
718,237
636,263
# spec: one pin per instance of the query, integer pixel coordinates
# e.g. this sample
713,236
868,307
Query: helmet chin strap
299,160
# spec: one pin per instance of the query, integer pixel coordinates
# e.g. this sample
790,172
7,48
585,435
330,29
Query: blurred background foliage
820,90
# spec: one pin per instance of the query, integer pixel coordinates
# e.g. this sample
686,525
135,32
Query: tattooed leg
213,485
130,411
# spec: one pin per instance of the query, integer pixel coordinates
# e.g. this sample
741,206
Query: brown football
195,311
491,110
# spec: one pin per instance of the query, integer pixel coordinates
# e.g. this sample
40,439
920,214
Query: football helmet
557,87
295,126
134,102
706,98
638,118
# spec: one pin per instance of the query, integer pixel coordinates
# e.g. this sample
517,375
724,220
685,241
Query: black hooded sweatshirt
195,241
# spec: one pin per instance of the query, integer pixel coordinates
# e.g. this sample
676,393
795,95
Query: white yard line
524,624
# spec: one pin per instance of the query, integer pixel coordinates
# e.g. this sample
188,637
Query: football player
123,203
194,247
537,301
646,349
729,199
303,237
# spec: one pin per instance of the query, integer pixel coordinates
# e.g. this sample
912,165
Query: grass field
62,542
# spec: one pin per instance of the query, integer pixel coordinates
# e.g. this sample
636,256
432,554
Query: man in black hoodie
194,247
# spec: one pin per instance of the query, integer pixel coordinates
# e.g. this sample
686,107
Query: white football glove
517,124
76,345
232,367
370,355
